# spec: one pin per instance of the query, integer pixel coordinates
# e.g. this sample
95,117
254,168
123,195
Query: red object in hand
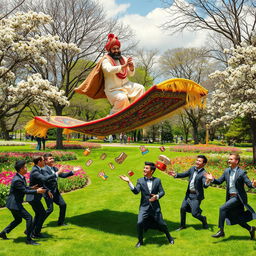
160,165
130,173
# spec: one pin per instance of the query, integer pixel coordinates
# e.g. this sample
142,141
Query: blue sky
145,18
142,7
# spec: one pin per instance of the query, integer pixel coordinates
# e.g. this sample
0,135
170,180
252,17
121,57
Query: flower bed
204,149
78,180
216,165
12,143
74,145
28,156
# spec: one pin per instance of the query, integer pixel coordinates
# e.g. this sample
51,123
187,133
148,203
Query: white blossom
19,49
235,87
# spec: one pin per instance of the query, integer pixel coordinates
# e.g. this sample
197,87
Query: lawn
102,216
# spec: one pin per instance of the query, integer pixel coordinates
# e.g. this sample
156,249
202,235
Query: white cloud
147,28
112,8
150,35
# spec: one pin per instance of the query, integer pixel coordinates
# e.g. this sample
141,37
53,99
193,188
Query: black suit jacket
17,191
240,179
142,187
52,183
199,181
38,178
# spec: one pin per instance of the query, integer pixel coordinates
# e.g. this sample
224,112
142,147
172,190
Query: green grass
102,217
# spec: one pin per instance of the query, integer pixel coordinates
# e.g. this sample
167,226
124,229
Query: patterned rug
158,103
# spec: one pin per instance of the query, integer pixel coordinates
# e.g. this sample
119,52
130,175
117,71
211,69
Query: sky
145,18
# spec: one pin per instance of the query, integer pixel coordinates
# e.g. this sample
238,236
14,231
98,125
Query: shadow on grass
199,226
232,238
21,239
109,221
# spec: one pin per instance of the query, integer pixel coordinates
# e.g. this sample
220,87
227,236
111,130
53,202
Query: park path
127,145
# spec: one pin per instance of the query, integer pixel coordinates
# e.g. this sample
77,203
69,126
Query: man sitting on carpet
109,78
116,69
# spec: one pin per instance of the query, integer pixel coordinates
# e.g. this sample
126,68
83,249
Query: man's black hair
203,157
19,164
152,165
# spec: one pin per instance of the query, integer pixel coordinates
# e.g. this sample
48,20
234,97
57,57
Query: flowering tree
81,22
235,89
19,49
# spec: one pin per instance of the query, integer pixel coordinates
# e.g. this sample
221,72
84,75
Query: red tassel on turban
112,40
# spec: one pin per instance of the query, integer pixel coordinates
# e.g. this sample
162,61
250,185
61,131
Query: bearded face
115,53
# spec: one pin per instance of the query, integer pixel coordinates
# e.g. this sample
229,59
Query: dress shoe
3,235
171,240
205,224
220,233
32,242
139,244
252,233
180,228
37,236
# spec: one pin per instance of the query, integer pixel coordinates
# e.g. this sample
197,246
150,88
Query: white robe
119,91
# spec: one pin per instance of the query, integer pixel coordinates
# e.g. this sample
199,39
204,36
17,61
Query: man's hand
41,190
76,169
50,194
128,63
61,170
209,177
34,187
254,183
124,178
172,173
153,198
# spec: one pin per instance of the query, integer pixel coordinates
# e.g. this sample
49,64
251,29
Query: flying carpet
158,103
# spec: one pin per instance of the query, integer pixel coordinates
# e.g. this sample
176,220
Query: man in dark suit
38,179
195,192
52,185
150,212
236,198
15,199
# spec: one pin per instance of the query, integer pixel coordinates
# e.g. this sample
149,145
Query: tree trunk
186,136
253,130
59,140
5,132
195,133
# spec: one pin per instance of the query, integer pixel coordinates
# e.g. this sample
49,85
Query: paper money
89,162
120,158
103,156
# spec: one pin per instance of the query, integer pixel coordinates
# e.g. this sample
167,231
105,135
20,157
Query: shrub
4,191
217,143
243,144
204,149
78,180
28,156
